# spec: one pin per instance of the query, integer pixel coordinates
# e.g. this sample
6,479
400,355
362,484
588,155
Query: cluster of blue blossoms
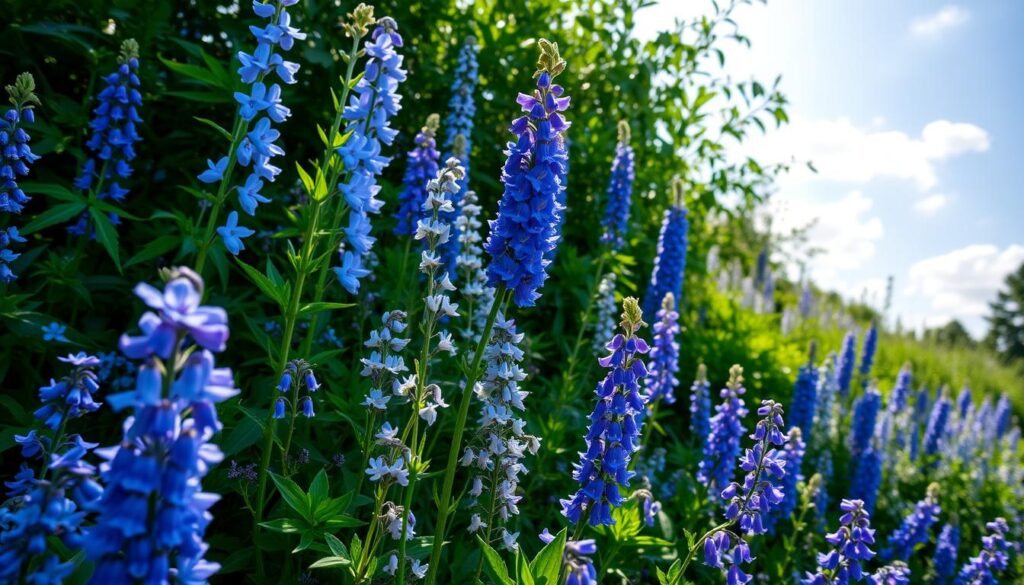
525,232
113,135
914,529
579,567
373,102
153,514
614,432
297,373
669,264
994,558
15,157
847,360
850,547
421,167
723,440
700,407
945,554
620,191
805,398
258,109
664,362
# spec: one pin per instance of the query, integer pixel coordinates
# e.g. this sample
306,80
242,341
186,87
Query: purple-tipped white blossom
614,432
664,359
723,442
496,454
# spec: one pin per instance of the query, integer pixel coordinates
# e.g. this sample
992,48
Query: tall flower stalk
253,137
458,141
723,442
662,379
669,264
519,242
15,157
620,191
850,544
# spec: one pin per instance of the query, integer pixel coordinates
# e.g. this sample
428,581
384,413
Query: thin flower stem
490,520
237,134
472,375
567,378
291,427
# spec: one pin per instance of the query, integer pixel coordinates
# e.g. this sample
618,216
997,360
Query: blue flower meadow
526,230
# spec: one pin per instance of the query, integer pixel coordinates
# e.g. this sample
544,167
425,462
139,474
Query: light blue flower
232,234
55,332
350,271
215,172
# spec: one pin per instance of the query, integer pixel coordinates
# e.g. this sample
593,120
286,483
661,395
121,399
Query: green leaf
307,181
323,306
524,576
157,247
227,135
286,525
106,233
292,495
494,566
200,74
356,547
318,489
54,215
548,562
330,563
206,97
331,507
337,547
336,522
52,190
263,283
307,539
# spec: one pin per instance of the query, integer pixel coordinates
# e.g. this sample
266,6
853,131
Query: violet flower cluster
114,134
914,528
496,454
700,407
421,167
938,423
793,455
895,574
867,357
944,560
805,399
15,157
847,360
670,262
604,327
372,104
526,229
994,558
154,514
865,417
614,432
620,191
851,543
867,478
259,108
749,505
297,374
664,360
723,441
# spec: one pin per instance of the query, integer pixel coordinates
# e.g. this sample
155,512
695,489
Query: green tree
952,334
1006,323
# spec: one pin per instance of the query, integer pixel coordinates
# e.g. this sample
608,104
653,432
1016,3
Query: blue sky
912,114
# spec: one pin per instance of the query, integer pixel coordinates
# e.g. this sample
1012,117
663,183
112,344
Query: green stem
460,426
237,134
291,427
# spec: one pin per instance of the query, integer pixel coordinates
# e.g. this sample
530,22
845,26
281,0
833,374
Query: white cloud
962,282
931,204
843,230
844,152
935,24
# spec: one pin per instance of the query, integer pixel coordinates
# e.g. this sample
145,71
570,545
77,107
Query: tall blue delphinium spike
847,359
900,395
921,403
477,296
54,502
670,262
1002,415
700,407
620,191
793,455
822,499
458,141
664,361
867,354
579,567
750,504
945,554
114,134
761,267
850,546
259,107
806,300
604,327
614,432
526,231
768,293
865,417
15,157
914,529
994,558
373,102
895,574
963,402
867,478
501,443
938,422
827,390
723,442
153,514
421,167
805,397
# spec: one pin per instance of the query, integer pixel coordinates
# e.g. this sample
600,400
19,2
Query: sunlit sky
911,112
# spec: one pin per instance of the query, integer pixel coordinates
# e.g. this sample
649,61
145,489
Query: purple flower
576,558
846,363
421,167
805,398
723,442
670,262
661,380
914,529
850,547
700,407
945,554
994,558
620,191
